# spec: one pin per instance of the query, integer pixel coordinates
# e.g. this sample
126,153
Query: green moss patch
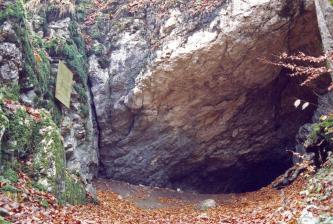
10,175
74,191
3,221
42,140
49,164
44,203
18,133
10,92
38,186
323,129
10,189
12,10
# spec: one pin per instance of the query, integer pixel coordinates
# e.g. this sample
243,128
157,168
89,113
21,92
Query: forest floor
309,197
264,206
308,200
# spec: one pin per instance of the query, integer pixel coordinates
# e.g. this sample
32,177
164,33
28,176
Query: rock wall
33,40
63,41
182,99
307,135
167,93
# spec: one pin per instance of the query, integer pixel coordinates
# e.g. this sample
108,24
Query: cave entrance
261,166
245,177
268,122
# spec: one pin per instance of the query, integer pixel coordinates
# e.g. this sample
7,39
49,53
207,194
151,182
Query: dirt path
124,203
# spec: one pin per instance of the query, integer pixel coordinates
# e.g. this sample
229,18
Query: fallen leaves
256,207
305,67
311,193
32,206
38,58
264,206
14,106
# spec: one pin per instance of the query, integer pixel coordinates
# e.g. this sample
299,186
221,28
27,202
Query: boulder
10,62
207,204
4,212
308,218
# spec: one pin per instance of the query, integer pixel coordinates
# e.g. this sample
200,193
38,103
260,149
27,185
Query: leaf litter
310,193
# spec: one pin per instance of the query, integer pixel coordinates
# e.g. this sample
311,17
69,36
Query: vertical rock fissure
95,123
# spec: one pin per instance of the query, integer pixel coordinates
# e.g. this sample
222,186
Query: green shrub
44,203
10,175
3,221
10,92
324,128
10,188
4,180
13,10
39,186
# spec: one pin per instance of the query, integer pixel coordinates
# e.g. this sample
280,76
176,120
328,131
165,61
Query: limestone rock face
183,100
28,70
10,55
324,11
77,124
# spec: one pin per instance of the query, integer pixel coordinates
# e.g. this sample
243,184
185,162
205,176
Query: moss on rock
10,175
72,51
22,137
49,164
41,139
3,125
18,134
36,73
323,129
74,192
13,10
10,92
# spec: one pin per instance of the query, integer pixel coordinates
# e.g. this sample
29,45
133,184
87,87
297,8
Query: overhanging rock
183,101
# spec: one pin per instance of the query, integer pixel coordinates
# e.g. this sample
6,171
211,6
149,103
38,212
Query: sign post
64,84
